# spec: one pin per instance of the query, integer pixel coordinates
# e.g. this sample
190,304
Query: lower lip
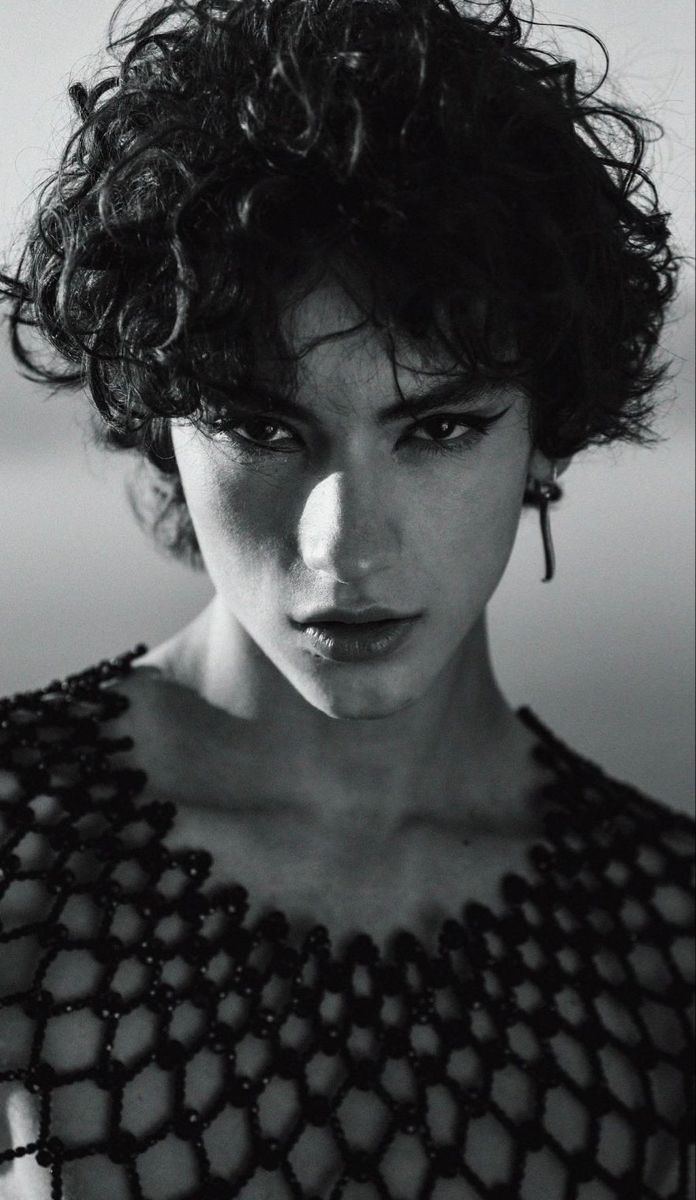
359,642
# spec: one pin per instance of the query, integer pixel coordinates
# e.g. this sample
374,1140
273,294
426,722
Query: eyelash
477,424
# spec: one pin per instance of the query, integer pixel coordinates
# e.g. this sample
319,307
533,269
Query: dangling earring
542,493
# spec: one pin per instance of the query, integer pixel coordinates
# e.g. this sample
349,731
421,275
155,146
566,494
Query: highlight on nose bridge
343,527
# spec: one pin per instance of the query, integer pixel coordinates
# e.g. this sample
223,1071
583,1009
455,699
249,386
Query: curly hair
242,144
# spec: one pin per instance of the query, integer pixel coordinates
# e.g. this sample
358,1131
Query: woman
295,904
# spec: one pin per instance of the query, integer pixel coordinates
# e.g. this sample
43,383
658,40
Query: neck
445,756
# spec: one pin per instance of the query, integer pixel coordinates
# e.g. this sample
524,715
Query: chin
358,701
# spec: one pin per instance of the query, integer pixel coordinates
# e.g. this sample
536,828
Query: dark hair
244,143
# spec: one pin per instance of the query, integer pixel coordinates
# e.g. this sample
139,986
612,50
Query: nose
345,529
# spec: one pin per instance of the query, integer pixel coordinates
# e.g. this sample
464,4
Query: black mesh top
154,1044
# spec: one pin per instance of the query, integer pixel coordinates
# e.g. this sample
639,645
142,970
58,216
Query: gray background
604,654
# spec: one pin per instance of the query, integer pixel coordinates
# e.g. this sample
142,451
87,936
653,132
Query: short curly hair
244,143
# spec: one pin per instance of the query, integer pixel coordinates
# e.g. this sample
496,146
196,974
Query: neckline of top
512,889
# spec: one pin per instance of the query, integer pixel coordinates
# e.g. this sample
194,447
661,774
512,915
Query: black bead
583,1166
330,1039
546,1023
318,1109
317,940
264,1022
240,1091
364,1073
474,1102
286,962
429,1069
38,1004
362,949
269,1154
390,979
249,981
195,950
154,858
206,993
221,1038
111,1075
513,929
455,1032
396,1042
530,1135
237,942
108,949
233,900
678,993
187,1124
195,863
62,837
437,973
494,1053
304,1001
547,1073
110,1004
40,1077
364,1011
446,1161
122,1147
274,926
161,998
452,935
511,972
515,888
288,1063
53,935
361,1166
158,815
478,917
170,1054
407,1117
107,892
334,975
407,947
215,1188
543,858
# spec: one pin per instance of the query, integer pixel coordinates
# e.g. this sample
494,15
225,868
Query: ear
541,467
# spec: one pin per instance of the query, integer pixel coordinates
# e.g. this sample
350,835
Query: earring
542,493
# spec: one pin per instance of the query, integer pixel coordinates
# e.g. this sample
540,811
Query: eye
257,432
441,427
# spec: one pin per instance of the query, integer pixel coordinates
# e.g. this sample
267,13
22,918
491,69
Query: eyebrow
459,392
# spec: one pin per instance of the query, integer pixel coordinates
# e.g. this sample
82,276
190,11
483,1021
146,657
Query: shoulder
52,746
639,838
621,885
61,802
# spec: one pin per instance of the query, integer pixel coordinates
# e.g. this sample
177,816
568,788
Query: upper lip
354,616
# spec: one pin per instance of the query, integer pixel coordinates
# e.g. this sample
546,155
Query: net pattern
73,826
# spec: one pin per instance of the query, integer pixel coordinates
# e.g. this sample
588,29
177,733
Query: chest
441,1087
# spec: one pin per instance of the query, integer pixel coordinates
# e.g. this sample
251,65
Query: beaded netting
577,991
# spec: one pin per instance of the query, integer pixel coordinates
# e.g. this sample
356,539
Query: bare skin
338,507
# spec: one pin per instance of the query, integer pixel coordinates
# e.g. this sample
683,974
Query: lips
357,641
373,614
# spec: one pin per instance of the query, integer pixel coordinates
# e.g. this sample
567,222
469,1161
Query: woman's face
338,507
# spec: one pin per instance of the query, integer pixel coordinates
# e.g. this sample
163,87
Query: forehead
341,350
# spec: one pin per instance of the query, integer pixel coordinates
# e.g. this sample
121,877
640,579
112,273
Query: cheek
477,510
463,538
237,513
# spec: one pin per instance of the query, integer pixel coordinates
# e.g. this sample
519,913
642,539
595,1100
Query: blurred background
604,654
